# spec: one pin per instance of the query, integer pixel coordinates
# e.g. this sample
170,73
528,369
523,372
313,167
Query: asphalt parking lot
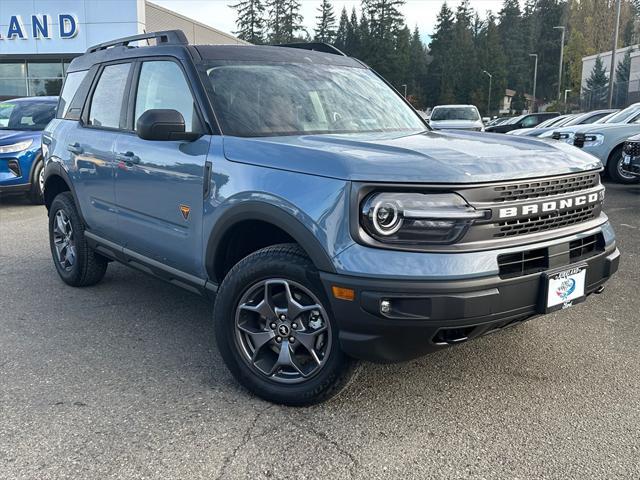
123,380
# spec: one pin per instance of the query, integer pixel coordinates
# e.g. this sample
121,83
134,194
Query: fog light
385,306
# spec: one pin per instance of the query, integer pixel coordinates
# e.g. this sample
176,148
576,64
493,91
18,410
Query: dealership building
38,38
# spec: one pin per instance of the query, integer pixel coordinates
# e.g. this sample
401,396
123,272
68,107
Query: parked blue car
21,124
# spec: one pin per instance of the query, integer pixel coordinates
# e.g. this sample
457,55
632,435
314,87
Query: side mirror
163,125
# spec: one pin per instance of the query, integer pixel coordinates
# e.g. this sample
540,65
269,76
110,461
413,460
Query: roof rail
168,37
315,46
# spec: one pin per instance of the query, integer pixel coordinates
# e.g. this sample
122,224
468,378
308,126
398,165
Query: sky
218,14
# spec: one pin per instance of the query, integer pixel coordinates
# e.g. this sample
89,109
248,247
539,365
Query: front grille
523,263
586,247
632,149
523,226
512,265
545,188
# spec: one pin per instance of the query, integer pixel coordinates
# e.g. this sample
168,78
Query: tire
77,264
302,376
614,170
36,193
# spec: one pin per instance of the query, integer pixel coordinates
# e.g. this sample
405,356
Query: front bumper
631,165
16,170
431,315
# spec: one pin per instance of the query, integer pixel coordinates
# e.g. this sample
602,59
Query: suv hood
428,157
7,137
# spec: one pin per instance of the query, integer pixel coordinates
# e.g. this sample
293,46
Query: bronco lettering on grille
550,206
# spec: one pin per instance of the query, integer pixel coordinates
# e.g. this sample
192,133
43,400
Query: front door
160,184
90,146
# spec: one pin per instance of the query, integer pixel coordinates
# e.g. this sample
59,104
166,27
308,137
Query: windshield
555,121
624,115
607,118
26,115
455,113
514,120
252,100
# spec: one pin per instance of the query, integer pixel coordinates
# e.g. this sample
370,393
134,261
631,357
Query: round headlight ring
386,218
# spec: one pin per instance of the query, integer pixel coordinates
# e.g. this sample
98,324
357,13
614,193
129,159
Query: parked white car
605,140
456,117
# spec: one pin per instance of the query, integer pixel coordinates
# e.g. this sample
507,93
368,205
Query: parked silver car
456,117
564,121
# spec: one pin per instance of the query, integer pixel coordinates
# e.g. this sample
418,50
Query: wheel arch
282,227
56,181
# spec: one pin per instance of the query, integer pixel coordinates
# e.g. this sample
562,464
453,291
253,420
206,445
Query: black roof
173,43
263,53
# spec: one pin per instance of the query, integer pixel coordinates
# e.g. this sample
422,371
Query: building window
26,78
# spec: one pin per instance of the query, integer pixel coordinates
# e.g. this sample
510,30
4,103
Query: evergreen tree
597,84
512,33
352,39
621,85
326,26
250,21
462,54
438,87
285,21
418,63
402,73
341,34
364,35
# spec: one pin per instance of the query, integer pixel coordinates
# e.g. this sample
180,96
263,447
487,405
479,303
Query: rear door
90,144
160,184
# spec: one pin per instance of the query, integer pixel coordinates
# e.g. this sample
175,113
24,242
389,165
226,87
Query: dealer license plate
565,288
626,160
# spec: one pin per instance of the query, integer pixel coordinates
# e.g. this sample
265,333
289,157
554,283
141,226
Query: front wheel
275,330
36,192
615,171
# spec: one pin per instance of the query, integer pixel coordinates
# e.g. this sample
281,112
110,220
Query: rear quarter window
69,90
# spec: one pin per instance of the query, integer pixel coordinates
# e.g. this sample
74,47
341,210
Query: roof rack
167,37
315,46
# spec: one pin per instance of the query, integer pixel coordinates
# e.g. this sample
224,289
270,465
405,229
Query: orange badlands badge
185,210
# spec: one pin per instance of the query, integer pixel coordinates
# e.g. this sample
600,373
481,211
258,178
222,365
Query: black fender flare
265,212
55,169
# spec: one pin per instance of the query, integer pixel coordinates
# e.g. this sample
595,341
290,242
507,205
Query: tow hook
599,290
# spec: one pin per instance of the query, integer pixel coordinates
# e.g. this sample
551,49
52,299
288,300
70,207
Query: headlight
567,137
593,139
16,147
417,218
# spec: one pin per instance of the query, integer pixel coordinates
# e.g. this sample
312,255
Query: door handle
75,148
129,158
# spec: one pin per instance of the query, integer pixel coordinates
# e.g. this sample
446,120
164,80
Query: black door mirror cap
163,125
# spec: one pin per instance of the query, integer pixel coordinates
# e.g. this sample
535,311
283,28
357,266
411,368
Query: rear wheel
615,171
76,263
275,330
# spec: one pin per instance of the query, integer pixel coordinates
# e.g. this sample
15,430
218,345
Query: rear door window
106,103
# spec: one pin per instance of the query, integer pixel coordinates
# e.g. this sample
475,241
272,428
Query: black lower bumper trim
424,316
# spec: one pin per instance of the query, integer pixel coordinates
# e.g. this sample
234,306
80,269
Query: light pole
565,100
535,79
405,90
561,55
489,98
613,53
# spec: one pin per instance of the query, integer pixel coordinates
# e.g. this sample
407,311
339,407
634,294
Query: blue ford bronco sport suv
304,193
